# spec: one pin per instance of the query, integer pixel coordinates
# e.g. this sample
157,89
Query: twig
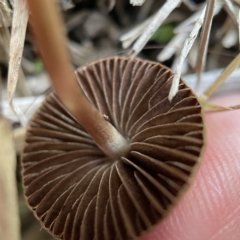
47,26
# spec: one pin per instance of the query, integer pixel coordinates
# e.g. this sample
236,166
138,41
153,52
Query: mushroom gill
76,191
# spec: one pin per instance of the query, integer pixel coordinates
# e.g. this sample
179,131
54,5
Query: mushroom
77,189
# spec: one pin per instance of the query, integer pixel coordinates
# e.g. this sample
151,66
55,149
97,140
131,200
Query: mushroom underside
76,191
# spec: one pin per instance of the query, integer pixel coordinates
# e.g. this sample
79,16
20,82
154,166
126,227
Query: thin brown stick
204,39
48,29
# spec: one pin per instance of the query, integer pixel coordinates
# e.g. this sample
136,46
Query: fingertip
210,209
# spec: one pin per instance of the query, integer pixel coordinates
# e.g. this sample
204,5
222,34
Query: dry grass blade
66,4
185,50
182,31
204,39
239,27
236,107
5,14
137,2
9,222
5,23
224,75
192,5
128,38
158,19
232,10
111,4
237,2
19,25
187,23
19,135
227,33
171,48
209,107
1,100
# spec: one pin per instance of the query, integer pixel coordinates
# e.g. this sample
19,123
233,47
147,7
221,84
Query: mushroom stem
48,30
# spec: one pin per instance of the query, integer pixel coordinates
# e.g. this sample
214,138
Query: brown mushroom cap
79,193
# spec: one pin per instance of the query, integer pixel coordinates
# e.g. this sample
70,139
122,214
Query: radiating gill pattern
79,193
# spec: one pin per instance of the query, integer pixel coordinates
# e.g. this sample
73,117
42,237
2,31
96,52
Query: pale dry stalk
19,135
5,23
157,20
232,10
219,81
9,221
137,2
19,25
204,39
185,50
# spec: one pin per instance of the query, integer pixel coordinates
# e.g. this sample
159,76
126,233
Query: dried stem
19,135
184,52
137,2
15,73
9,221
204,39
158,19
128,38
224,75
232,11
1,90
239,28
19,25
47,26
